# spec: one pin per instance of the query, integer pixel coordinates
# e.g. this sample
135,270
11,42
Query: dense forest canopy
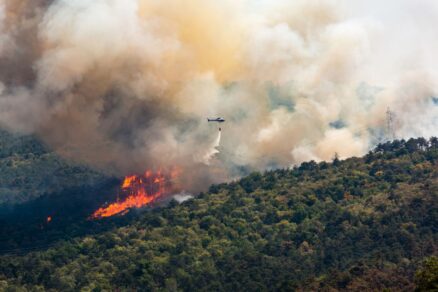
358,224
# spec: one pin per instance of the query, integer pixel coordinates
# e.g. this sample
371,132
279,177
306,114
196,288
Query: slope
29,170
359,224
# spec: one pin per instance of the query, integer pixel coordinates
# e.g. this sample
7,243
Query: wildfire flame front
137,191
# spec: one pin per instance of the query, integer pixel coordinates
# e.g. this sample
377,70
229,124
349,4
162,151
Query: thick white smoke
127,84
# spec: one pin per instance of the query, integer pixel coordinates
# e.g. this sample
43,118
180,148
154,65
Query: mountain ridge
30,169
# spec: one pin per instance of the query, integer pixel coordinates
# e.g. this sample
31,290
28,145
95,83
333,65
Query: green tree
426,278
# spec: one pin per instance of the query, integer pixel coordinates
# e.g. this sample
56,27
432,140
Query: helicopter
218,120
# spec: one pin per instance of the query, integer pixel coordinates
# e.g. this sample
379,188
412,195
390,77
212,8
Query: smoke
182,197
126,85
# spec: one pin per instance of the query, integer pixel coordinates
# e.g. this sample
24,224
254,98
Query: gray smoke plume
126,85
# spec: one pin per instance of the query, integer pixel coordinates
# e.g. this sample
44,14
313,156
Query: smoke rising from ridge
127,84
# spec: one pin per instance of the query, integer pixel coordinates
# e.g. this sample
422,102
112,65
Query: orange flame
128,181
49,219
137,191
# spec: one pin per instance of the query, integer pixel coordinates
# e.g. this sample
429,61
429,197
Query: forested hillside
28,170
360,224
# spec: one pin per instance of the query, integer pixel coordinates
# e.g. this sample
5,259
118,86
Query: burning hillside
138,191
